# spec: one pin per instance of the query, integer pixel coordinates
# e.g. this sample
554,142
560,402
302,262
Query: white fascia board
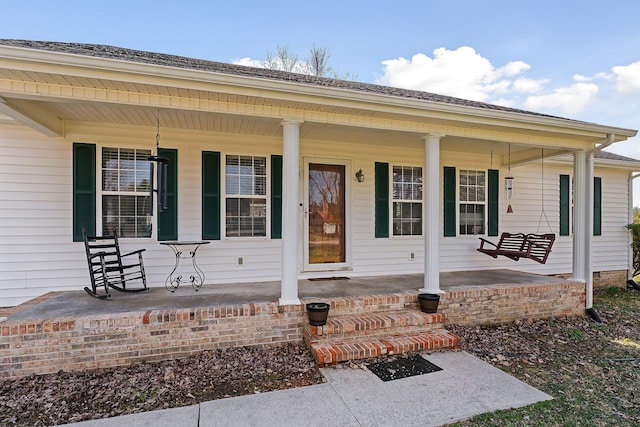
618,164
630,165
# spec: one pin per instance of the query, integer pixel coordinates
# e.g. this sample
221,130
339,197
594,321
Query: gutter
591,312
611,138
630,239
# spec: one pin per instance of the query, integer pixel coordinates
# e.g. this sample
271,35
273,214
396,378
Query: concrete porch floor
78,303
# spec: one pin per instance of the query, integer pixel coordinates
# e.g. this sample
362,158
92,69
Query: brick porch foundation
122,339
505,303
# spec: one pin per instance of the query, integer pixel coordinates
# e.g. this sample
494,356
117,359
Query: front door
326,215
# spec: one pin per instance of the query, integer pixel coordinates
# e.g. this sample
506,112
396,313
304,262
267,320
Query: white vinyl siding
37,254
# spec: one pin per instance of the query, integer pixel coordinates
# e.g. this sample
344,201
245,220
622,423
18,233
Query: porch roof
175,61
49,86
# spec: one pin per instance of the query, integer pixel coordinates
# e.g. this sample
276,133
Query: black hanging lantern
162,175
161,187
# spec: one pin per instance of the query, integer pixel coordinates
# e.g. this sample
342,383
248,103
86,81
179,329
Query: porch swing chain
157,131
542,211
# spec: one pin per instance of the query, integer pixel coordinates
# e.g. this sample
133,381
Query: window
407,201
567,186
246,196
472,206
125,192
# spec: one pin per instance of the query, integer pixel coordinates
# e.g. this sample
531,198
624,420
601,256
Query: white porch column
431,214
290,179
583,221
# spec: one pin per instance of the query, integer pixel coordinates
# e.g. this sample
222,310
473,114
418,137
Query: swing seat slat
519,245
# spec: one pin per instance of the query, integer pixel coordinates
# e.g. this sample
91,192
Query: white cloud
627,77
604,76
462,73
515,68
524,85
581,78
597,76
570,100
249,62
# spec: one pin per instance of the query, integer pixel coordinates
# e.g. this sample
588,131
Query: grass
592,370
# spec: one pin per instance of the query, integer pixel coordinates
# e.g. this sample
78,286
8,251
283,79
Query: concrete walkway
466,386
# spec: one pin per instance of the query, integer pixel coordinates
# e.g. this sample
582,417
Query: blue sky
576,59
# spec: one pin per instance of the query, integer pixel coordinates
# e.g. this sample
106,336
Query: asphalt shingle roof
138,56
610,156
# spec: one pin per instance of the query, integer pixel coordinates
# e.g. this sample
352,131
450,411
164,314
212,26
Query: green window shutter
564,205
449,187
382,199
276,196
597,206
84,190
492,200
210,195
168,219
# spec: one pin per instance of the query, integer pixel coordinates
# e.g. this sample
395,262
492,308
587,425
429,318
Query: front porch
71,331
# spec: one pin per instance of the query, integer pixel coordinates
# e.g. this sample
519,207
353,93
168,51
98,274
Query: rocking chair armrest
139,251
483,241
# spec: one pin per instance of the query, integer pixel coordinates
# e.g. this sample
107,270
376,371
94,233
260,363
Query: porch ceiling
183,119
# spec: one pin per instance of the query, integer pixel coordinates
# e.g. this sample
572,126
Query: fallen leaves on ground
65,397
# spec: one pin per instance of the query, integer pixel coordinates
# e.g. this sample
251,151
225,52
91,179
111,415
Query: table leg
198,280
172,283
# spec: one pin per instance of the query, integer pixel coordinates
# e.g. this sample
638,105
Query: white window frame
101,192
230,195
471,202
393,200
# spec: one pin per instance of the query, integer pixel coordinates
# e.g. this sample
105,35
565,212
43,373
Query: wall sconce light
360,176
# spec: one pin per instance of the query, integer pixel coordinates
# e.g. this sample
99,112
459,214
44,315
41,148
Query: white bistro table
185,250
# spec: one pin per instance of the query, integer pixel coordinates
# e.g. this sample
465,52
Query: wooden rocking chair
106,267
519,245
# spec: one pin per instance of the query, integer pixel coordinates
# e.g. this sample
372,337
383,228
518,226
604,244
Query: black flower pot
317,312
429,302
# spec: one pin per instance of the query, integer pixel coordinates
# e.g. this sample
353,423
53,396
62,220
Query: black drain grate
402,367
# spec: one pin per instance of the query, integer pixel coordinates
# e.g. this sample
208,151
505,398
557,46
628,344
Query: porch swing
534,246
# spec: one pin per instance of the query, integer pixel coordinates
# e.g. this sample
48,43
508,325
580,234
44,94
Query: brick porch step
330,353
373,324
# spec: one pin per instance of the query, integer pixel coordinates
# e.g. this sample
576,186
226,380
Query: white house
288,176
